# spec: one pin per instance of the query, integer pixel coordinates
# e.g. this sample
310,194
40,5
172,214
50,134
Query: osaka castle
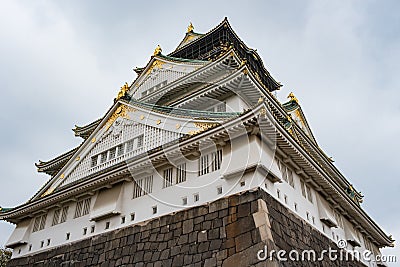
195,163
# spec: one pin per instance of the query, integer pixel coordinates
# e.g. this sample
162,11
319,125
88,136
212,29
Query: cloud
63,63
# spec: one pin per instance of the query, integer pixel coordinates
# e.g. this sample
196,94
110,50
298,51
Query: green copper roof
4,209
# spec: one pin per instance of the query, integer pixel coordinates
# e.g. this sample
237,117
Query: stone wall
227,232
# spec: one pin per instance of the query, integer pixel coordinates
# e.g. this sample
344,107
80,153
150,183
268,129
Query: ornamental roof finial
190,28
123,91
157,51
292,97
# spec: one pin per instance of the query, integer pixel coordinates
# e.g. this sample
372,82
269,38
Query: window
339,219
113,153
143,186
41,244
122,219
107,225
30,247
94,160
216,160
290,178
181,173
84,231
82,208
284,172
132,216
204,162
313,219
184,201
48,242
219,190
242,183
221,107
129,146
120,150
295,206
303,189
308,215
68,236
103,157
167,177
278,193
203,165
309,195
39,223
140,141
196,197
285,198
92,228
287,174
64,214
154,209
57,219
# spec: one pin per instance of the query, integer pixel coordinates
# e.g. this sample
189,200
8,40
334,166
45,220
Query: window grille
82,207
203,165
168,177
113,153
181,173
64,214
143,186
56,216
94,161
39,223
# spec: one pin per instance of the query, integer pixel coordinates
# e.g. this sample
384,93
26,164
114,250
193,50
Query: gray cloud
63,62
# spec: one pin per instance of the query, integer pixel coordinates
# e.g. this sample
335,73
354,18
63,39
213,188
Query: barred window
94,161
303,189
221,107
103,157
181,173
284,172
113,152
290,178
82,208
168,177
204,168
120,150
129,146
143,186
56,216
140,141
40,223
216,160
204,162
287,174
309,194
64,214
86,207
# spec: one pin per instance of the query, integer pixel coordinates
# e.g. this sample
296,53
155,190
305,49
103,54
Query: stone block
210,262
243,241
202,236
187,226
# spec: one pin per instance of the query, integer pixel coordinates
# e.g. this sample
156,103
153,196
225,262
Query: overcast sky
62,63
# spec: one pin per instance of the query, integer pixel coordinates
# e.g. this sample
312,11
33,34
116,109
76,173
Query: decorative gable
161,71
128,131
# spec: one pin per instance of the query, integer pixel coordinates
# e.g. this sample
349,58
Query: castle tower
195,162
